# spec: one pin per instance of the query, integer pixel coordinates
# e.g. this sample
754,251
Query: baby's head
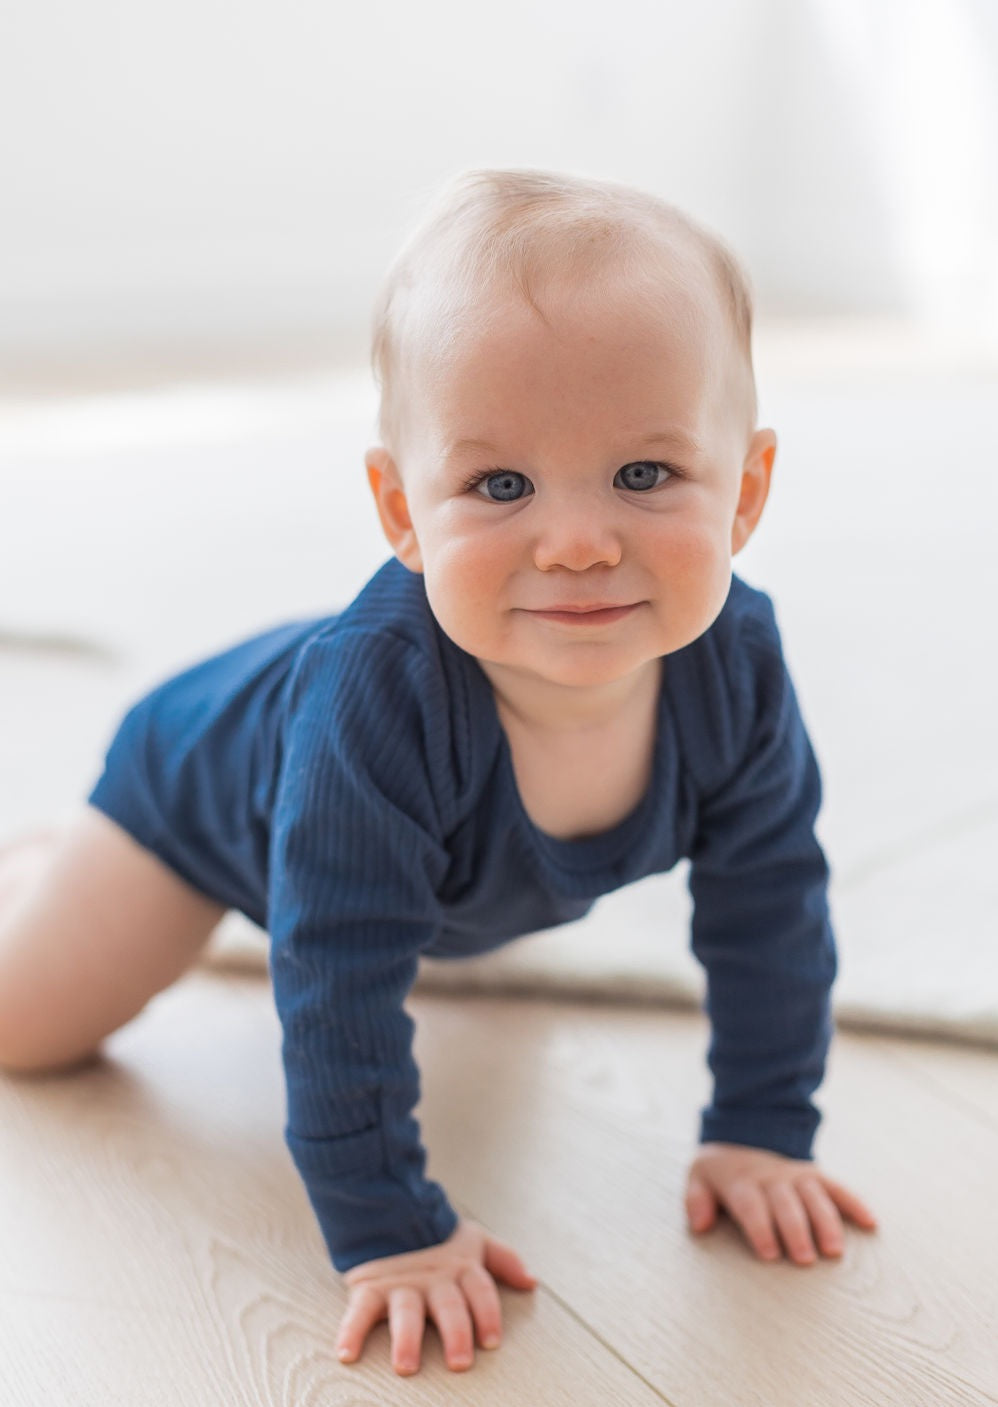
568,417
495,235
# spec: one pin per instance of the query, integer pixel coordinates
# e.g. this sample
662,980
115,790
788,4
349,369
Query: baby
554,687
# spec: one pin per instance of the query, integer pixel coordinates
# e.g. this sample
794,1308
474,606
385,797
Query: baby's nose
576,535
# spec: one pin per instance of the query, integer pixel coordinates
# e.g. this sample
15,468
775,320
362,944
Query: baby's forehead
597,326
680,305
666,297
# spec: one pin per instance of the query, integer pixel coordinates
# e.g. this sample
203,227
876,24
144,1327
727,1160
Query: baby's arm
367,1187
355,863
762,930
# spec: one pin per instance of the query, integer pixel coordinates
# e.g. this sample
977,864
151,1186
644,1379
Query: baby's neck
539,707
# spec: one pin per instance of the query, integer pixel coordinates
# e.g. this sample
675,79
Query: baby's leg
92,925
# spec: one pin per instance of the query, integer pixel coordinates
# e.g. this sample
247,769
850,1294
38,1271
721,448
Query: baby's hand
765,1192
451,1281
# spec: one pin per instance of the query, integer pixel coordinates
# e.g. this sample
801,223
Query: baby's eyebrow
673,436
479,447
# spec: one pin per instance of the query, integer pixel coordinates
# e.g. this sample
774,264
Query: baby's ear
393,507
757,471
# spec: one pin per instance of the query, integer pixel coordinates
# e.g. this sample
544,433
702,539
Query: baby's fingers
748,1206
792,1220
450,1310
406,1322
505,1264
486,1309
701,1204
849,1204
365,1308
823,1213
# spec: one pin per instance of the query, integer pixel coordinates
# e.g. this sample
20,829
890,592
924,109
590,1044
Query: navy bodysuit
346,783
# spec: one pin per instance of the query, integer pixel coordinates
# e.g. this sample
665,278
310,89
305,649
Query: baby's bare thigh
101,926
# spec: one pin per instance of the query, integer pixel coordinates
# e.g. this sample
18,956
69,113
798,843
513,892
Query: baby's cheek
463,585
463,560
696,565
469,576
694,551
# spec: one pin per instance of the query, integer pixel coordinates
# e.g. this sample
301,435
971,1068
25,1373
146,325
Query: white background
207,175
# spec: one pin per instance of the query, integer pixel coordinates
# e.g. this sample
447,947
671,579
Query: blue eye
643,474
508,486
502,485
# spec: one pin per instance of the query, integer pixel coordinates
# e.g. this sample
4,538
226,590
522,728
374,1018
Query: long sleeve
761,927
355,864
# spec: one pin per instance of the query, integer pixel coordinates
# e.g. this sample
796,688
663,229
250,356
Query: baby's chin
560,656
579,669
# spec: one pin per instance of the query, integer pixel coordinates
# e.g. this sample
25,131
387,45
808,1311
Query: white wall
201,172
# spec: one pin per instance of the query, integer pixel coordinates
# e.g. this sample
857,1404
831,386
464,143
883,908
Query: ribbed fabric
345,782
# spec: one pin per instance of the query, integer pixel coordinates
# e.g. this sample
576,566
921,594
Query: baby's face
593,460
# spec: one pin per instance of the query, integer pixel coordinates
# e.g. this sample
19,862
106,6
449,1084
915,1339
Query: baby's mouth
587,615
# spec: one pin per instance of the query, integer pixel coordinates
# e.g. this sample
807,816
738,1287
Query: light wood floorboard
158,1246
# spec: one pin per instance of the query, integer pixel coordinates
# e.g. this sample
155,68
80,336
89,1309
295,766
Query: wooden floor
158,1248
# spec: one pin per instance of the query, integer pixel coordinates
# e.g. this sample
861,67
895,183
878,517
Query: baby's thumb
701,1204
504,1263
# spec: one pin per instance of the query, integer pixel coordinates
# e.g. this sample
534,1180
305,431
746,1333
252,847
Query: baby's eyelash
670,469
480,475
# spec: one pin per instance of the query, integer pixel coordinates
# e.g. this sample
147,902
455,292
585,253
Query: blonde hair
487,228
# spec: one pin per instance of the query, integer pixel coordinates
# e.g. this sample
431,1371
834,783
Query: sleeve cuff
787,1131
367,1215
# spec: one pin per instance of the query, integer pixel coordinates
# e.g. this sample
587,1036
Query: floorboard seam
574,1314
594,1333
